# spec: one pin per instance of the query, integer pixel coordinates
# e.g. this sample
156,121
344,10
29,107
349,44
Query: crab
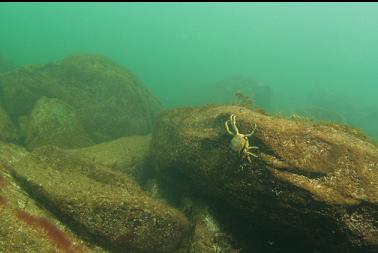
240,143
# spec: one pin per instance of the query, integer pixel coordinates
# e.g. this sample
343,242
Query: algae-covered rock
316,184
24,225
207,235
110,101
102,204
52,122
126,154
8,131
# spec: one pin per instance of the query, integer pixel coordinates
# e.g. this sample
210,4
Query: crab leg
248,158
227,128
249,153
233,121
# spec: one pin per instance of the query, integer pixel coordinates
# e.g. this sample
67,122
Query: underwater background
317,59
189,127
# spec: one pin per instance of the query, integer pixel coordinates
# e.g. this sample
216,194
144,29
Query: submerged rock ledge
99,203
109,100
311,182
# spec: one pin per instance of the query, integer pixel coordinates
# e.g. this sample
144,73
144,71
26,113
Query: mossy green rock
208,235
110,101
24,225
126,154
8,131
106,205
52,122
312,183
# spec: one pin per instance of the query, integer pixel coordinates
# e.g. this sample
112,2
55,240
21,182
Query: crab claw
252,132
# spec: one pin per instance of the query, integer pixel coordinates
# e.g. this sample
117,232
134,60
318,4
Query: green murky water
318,57
60,85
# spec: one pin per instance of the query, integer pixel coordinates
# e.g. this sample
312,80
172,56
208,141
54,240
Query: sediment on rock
310,181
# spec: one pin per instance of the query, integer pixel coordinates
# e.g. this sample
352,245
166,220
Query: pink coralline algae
54,234
3,201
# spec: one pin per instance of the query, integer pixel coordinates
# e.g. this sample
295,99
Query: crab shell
239,143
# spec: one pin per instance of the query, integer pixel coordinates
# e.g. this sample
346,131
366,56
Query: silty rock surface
24,225
8,131
98,203
311,182
53,122
110,100
126,154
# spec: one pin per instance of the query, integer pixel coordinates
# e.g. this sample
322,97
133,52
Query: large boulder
313,184
8,131
24,225
53,122
126,154
208,235
110,101
99,203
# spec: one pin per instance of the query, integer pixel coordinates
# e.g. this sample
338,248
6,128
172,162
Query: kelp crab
240,142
